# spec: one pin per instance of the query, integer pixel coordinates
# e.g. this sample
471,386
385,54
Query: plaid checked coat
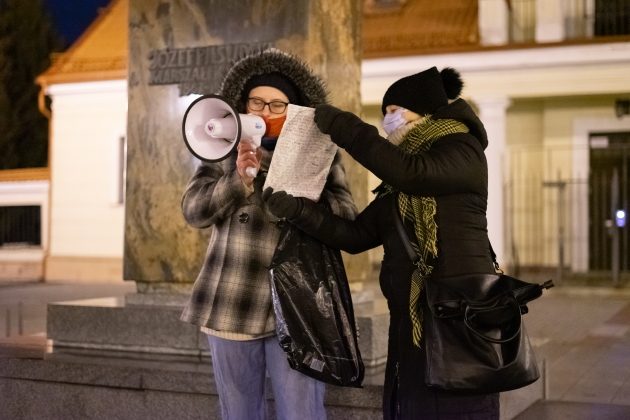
232,291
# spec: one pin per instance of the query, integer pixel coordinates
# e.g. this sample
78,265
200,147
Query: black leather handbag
474,338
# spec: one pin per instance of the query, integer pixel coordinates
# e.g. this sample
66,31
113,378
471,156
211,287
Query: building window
20,226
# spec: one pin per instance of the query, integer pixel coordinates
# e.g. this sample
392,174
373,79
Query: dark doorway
609,192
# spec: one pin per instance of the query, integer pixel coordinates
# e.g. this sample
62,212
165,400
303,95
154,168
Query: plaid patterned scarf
419,212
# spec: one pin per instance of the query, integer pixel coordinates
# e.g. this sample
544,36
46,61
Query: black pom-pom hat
424,92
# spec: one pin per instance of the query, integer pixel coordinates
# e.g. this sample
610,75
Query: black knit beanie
424,92
275,80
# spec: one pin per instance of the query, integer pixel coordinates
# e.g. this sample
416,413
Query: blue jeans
239,371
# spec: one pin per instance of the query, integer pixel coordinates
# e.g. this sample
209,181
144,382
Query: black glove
324,117
281,204
340,125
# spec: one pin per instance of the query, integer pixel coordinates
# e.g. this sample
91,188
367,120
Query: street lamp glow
620,217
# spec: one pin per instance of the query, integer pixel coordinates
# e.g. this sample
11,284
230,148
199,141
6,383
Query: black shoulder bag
473,335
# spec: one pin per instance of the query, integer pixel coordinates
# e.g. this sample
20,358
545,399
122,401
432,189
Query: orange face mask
274,126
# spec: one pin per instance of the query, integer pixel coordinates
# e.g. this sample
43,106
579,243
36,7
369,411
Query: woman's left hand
325,116
340,125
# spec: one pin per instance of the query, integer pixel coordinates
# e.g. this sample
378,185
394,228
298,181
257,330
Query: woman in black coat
435,177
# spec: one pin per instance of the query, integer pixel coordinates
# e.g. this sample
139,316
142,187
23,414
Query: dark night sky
72,17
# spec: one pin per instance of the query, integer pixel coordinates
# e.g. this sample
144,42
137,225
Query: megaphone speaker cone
211,128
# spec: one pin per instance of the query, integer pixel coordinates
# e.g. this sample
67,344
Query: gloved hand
282,204
340,125
324,117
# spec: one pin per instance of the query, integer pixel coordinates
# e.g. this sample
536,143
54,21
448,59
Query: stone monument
178,49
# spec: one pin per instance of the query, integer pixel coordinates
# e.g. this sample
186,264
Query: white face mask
394,120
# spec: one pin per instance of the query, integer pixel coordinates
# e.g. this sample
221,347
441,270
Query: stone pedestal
149,323
113,324
134,386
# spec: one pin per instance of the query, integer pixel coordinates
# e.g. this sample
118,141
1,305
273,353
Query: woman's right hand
249,156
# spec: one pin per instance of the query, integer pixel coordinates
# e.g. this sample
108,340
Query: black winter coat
454,172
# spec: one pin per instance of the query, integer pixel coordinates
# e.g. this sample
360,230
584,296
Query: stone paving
23,305
583,334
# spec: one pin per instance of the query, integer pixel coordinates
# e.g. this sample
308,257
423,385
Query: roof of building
100,53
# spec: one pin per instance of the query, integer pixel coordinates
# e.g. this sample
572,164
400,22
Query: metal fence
566,216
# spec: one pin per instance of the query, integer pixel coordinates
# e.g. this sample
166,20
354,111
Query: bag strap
413,255
494,258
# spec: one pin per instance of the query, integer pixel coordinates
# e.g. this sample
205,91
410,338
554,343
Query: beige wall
83,269
86,219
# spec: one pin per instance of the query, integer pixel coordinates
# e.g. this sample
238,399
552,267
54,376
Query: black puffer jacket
454,172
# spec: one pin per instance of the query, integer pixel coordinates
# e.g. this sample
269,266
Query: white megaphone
212,129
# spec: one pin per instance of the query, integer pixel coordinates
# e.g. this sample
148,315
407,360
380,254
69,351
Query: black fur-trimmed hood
311,88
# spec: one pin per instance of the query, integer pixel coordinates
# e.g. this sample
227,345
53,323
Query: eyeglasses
275,107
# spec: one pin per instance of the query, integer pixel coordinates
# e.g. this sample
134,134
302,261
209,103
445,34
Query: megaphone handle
251,171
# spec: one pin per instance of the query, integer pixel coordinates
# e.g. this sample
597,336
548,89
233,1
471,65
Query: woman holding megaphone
231,298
